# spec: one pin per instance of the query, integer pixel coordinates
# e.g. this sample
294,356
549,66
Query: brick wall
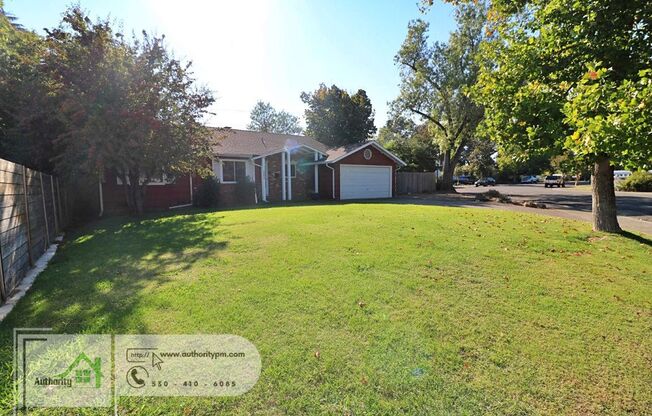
302,184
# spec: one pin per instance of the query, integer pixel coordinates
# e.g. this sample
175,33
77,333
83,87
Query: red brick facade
302,183
162,197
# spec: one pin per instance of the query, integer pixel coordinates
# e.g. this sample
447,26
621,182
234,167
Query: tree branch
465,120
414,68
430,118
458,152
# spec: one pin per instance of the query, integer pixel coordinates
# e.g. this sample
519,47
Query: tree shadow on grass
636,237
101,276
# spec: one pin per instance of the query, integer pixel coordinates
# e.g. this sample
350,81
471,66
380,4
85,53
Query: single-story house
282,167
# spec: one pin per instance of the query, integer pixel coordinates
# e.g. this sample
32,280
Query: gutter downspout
191,196
289,176
283,175
262,181
316,173
332,179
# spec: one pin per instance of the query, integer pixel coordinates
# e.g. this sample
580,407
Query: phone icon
136,376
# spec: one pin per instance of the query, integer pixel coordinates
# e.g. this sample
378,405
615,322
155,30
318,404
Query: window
367,154
163,179
82,376
293,170
233,171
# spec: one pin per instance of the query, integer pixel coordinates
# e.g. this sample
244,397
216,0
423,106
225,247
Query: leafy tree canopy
435,82
478,159
569,75
127,106
21,129
572,76
336,117
412,143
266,119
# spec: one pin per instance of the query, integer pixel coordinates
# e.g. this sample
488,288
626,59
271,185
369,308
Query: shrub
637,182
208,194
244,191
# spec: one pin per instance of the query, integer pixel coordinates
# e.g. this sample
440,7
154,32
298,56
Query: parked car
529,179
554,180
485,182
465,180
622,174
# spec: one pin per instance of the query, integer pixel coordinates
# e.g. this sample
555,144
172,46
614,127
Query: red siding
157,197
357,158
325,182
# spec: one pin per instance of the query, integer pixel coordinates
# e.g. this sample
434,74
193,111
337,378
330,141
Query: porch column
289,175
316,173
283,176
263,178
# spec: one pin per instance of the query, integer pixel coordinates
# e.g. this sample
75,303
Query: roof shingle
244,143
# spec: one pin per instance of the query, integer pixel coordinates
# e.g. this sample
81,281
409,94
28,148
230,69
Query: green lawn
467,311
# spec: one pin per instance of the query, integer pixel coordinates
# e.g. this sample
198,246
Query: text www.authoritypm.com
213,355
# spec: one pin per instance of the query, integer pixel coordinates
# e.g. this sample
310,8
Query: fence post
45,213
54,206
3,292
29,230
62,220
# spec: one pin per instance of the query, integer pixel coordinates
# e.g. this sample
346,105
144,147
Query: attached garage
359,171
365,181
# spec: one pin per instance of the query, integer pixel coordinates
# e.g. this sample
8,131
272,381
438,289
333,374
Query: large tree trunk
139,198
134,193
604,197
127,191
447,172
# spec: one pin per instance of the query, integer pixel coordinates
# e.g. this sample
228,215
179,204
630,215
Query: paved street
636,205
634,208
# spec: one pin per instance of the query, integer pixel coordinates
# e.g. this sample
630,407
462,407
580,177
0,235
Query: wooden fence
415,182
31,217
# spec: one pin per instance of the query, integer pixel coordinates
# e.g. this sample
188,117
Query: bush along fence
416,182
31,217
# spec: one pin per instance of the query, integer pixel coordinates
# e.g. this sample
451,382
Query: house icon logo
84,372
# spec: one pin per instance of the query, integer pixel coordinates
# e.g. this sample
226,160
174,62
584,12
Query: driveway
634,208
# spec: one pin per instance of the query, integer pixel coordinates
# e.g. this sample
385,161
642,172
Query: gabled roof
244,143
229,142
341,152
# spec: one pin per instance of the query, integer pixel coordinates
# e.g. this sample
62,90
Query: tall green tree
568,76
412,143
478,159
26,124
336,117
126,106
513,164
435,83
267,119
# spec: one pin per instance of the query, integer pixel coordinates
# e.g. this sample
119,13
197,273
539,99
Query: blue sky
269,50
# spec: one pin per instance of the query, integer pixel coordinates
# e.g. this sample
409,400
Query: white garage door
365,181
